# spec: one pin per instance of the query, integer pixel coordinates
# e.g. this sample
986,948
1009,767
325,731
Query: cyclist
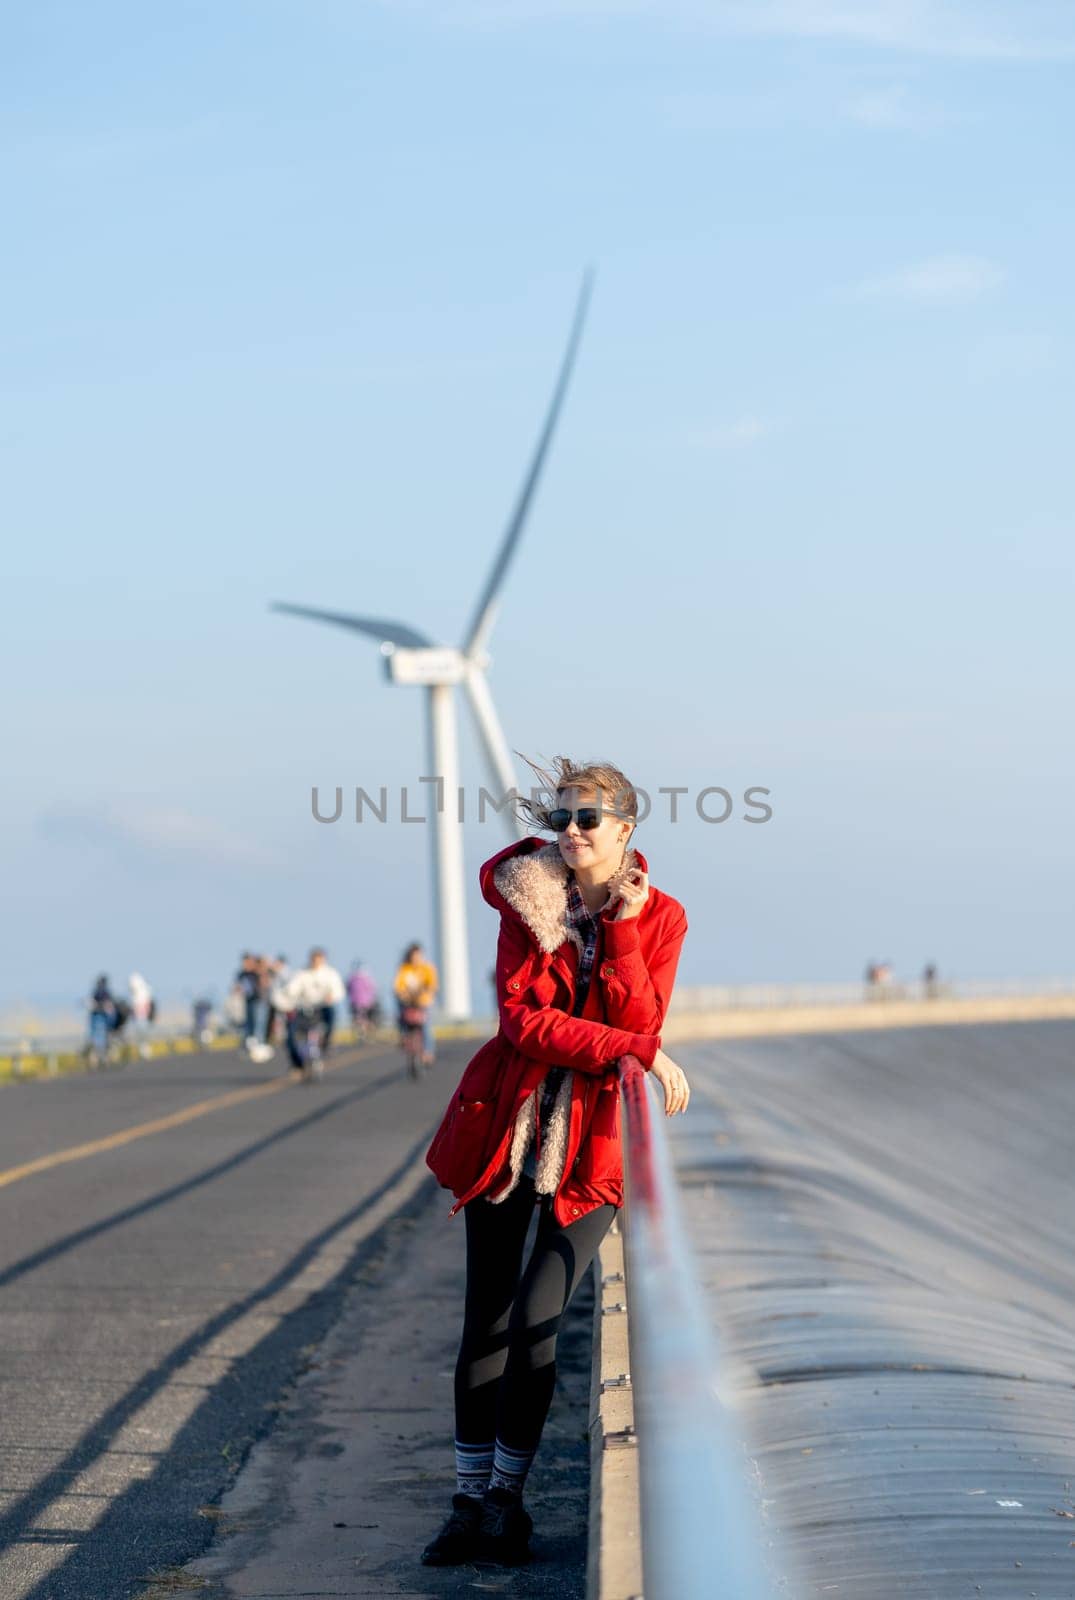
362,995
310,996
248,984
102,1007
143,1010
416,985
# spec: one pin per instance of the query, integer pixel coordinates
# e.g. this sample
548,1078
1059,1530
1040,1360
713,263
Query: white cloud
156,831
984,29
741,434
942,280
177,830
890,108
997,30
499,13
812,103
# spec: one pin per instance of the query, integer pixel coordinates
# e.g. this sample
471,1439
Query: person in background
416,984
235,1006
120,1017
277,973
143,1010
930,983
281,1007
102,1008
201,1020
248,983
318,987
362,996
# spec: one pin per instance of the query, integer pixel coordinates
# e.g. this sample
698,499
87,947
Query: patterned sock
473,1464
510,1468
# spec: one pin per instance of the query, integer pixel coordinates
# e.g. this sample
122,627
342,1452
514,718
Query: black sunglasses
587,817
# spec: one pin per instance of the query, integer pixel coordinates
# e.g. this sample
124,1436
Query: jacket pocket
457,1154
600,1156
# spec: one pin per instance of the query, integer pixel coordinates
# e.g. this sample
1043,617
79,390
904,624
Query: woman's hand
632,891
673,1080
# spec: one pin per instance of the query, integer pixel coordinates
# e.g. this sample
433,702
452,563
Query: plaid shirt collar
587,922
588,926
577,914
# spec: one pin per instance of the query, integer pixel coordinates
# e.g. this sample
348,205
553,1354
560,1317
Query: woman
102,1007
362,997
416,984
142,1010
586,960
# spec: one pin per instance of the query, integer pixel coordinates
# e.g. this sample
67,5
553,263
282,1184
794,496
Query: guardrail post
614,1565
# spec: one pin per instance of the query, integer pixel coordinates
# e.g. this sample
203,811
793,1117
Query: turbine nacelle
436,664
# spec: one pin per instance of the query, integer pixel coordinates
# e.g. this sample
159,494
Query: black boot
457,1541
505,1529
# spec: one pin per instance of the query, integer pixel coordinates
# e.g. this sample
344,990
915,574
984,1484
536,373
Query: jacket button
514,984
607,971
574,1211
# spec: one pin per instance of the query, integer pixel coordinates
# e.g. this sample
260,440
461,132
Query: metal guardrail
36,1038
40,1058
36,1042
43,1039
766,996
701,1530
32,1057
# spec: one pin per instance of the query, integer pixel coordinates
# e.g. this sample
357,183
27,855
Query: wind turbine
411,657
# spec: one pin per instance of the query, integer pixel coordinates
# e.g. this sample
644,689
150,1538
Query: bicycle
412,1037
309,1026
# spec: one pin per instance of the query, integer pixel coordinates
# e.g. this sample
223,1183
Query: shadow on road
71,1241
114,1555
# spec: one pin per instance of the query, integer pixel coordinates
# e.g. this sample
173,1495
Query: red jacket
476,1150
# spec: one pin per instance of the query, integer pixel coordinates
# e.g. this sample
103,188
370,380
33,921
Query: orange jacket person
416,984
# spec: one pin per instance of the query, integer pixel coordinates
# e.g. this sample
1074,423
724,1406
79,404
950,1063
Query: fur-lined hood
530,878
499,1112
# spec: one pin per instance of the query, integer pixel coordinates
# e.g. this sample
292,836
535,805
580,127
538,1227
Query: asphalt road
161,1286
355,1477
883,1222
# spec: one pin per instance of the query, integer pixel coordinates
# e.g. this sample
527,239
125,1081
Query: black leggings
506,1372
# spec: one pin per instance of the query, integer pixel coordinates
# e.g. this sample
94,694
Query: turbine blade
483,616
491,738
377,627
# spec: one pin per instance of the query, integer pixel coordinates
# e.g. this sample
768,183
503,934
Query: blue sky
285,288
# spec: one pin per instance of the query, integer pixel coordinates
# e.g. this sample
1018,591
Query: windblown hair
616,789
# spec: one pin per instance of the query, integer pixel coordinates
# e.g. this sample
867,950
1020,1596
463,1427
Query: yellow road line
220,1102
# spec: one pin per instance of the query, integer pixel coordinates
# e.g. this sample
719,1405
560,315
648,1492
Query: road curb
614,1561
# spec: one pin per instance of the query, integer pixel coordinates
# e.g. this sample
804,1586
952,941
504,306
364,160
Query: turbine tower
411,657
